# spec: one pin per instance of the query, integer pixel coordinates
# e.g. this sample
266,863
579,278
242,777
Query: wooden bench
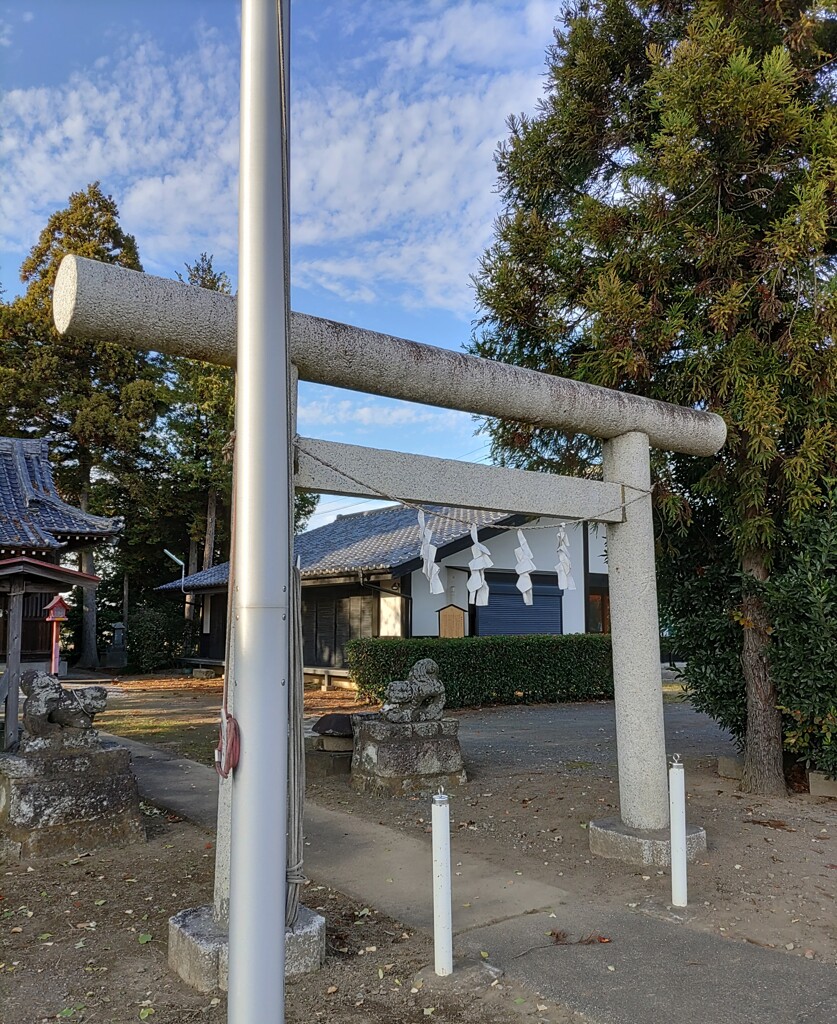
339,678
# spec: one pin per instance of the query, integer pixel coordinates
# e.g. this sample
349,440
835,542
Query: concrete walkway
653,970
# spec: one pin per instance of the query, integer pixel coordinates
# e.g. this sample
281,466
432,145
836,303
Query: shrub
154,639
492,669
702,608
699,607
803,604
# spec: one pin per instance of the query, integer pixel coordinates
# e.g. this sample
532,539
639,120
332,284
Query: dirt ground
769,876
180,713
84,939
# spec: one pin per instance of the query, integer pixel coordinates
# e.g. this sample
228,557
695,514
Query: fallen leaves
561,938
775,823
144,938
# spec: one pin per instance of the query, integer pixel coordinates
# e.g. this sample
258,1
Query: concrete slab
654,970
819,784
176,783
570,737
394,871
731,767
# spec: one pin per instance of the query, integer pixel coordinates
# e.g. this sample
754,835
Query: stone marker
64,789
409,748
819,784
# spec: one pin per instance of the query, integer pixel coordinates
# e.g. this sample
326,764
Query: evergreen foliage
703,610
200,425
669,229
135,435
96,402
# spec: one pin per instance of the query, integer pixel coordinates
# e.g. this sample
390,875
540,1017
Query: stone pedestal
199,947
405,759
613,839
326,756
53,802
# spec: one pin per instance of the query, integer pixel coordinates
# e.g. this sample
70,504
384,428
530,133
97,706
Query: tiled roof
215,576
32,515
381,540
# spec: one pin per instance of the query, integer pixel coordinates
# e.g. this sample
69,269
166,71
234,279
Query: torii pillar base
613,839
199,947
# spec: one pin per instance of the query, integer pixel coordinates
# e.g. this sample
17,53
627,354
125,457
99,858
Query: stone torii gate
274,348
107,302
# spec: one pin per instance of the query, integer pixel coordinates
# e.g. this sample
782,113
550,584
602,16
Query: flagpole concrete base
199,947
613,839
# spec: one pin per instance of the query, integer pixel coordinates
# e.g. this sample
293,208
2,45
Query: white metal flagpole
262,534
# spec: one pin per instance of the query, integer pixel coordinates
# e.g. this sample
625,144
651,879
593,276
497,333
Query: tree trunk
89,651
125,594
191,570
211,517
763,769
89,657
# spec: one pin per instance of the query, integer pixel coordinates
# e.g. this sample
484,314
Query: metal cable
295,877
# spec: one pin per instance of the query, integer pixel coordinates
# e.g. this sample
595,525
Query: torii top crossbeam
98,300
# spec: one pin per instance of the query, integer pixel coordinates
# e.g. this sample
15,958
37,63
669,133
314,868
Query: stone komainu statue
49,709
418,698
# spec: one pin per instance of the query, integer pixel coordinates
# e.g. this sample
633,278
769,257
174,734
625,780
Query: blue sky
396,110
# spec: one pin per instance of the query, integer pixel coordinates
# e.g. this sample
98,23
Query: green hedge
492,669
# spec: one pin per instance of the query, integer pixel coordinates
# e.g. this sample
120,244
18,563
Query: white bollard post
442,924
677,816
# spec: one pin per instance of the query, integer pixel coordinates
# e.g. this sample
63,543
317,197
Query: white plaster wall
598,548
426,606
390,615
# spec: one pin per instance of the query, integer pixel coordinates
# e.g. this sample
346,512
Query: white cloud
328,411
393,184
395,119
160,134
27,16
5,33
484,35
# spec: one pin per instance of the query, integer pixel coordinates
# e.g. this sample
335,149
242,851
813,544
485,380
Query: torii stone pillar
635,637
97,300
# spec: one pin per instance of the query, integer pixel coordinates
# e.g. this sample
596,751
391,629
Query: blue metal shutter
507,615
